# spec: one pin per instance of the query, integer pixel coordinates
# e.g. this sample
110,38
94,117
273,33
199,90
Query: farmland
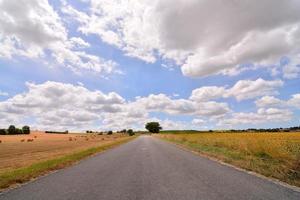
274,155
23,152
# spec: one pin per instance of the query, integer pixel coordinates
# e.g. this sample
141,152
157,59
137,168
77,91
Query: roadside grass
275,155
25,174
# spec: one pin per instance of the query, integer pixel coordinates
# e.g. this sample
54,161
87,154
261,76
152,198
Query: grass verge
272,155
25,174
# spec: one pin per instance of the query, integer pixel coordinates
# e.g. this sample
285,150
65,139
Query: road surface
150,169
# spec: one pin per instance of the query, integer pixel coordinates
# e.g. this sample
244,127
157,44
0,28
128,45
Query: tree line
12,130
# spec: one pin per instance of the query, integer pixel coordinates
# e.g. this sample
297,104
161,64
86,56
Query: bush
130,132
3,132
26,129
109,133
11,130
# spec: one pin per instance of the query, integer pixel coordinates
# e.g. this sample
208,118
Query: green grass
27,173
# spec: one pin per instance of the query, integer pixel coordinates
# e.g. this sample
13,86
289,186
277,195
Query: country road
148,168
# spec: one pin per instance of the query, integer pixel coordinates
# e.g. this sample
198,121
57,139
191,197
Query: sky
114,64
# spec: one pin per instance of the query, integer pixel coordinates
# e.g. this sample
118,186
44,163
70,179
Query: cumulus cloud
243,89
295,101
198,122
292,69
269,101
59,104
67,106
62,105
263,115
163,103
32,28
247,89
204,37
207,93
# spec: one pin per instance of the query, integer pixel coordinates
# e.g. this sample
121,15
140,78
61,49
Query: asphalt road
147,168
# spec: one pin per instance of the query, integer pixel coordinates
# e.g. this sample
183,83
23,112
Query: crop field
274,155
23,150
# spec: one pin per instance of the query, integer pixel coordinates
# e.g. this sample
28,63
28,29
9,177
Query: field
40,152
274,155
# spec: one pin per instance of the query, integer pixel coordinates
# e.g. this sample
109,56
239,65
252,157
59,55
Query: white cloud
247,89
163,103
262,116
204,37
243,89
3,93
30,28
269,101
295,101
60,105
67,106
207,93
198,122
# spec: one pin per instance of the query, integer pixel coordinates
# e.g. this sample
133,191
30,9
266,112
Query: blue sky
130,64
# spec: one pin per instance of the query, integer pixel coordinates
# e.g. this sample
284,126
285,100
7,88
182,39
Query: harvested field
18,151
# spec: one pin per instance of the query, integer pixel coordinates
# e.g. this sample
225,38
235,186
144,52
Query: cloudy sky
112,64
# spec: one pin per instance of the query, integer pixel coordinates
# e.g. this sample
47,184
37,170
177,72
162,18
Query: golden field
274,155
17,152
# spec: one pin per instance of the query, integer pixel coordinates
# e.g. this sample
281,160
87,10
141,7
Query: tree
153,127
123,131
109,133
2,132
18,131
11,130
26,129
130,132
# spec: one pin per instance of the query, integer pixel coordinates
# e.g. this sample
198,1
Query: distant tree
3,132
26,129
11,130
18,131
109,133
130,132
123,131
153,127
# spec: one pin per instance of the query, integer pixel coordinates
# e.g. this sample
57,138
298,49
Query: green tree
109,133
123,131
26,129
130,132
153,127
11,130
2,132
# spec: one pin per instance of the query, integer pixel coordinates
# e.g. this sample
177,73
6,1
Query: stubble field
15,153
